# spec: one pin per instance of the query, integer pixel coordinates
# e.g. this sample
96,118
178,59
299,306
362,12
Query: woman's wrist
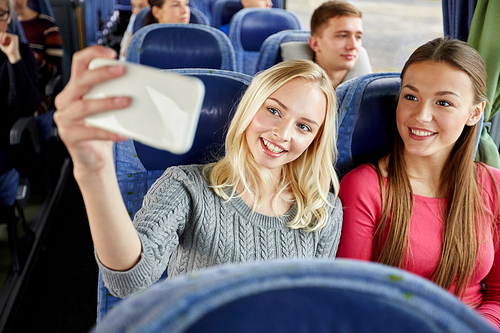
14,58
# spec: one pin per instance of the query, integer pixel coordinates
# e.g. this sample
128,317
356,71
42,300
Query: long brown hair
459,182
150,18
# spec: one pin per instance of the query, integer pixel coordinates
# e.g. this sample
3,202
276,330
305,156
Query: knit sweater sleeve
159,223
330,234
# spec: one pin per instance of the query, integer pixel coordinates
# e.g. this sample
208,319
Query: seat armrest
21,125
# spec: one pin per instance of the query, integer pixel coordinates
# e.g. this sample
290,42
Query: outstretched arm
115,238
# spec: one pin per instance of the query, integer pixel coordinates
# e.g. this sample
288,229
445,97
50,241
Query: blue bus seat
140,19
123,5
251,26
296,295
202,5
270,51
138,166
15,27
169,46
42,7
223,10
367,117
198,17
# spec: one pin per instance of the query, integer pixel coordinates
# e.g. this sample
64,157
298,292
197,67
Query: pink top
360,195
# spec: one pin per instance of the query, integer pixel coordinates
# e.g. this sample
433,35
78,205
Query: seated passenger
18,98
336,36
427,207
168,11
267,198
249,4
137,6
45,40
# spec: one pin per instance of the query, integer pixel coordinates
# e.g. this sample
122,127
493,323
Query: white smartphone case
164,110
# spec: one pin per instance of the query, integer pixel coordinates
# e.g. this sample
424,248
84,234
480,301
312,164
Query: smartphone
164,109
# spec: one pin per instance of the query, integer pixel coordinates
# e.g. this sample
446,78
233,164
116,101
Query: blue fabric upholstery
298,295
223,10
251,26
198,17
367,118
169,46
15,27
204,6
138,166
123,5
270,52
140,19
42,6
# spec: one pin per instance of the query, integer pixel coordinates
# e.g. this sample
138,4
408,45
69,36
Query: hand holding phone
165,106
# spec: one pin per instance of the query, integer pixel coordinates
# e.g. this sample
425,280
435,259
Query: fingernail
120,101
115,69
110,52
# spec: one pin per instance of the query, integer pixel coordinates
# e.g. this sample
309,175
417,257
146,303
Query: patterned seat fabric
298,295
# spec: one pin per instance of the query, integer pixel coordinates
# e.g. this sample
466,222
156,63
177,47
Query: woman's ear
154,11
476,114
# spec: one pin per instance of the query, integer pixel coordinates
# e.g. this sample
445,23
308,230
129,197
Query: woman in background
45,41
168,11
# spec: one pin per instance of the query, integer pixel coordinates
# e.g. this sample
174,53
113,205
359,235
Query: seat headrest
375,130
367,118
176,47
257,25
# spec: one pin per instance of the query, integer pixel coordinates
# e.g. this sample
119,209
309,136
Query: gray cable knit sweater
185,225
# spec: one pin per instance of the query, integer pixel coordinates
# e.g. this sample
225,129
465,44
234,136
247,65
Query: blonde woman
267,198
428,207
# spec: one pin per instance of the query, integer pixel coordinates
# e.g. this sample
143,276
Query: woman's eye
274,111
304,127
443,103
410,97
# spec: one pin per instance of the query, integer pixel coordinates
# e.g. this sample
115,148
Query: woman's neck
424,174
26,14
275,203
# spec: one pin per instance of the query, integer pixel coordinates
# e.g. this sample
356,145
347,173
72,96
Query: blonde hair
459,182
309,178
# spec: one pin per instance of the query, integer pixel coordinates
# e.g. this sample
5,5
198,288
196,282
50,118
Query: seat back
42,7
366,118
202,5
223,10
270,51
168,46
140,19
198,17
138,166
251,26
296,296
15,27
